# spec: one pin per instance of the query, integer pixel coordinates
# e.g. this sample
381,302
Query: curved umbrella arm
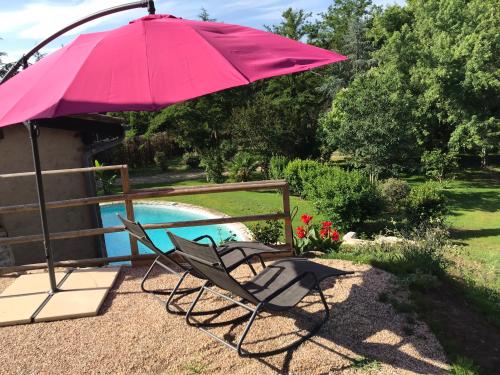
23,61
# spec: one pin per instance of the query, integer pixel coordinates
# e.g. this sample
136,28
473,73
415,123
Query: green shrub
161,160
463,366
214,167
347,197
191,159
268,232
437,164
426,203
298,173
242,166
277,166
394,193
105,179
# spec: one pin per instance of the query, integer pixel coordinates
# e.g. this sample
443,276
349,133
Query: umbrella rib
56,107
32,87
224,57
147,66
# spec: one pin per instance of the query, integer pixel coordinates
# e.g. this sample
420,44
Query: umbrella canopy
152,62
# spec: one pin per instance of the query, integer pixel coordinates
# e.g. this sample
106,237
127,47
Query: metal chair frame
253,312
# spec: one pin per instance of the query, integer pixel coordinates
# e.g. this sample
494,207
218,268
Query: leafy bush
105,179
348,197
242,166
277,166
437,164
268,232
426,203
161,160
464,366
214,167
423,252
298,173
394,193
191,159
420,259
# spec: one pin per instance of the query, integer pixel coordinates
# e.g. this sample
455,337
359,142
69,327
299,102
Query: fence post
129,207
288,218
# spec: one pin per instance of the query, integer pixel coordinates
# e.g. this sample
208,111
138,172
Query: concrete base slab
19,309
72,304
89,278
81,294
31,283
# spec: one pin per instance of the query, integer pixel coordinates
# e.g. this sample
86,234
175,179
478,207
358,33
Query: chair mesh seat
280,273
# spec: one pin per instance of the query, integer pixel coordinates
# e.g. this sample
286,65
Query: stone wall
6,254
59,149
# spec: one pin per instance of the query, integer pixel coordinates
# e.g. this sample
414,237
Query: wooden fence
128,196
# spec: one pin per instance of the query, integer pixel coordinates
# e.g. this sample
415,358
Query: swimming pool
117,244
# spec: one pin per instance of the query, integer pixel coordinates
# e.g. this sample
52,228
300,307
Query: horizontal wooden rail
127,197
178,224
65,171
123,258
150,193
75,263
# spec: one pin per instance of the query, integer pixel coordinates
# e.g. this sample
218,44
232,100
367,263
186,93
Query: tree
479,137
443,55
369,123
204,16
343,28
295,24
3,68
329,31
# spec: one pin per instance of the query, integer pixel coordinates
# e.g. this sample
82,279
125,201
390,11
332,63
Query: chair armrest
210,238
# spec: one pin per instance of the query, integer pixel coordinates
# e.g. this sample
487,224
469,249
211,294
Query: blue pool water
118,244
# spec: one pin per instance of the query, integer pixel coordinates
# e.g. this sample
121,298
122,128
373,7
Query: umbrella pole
34,131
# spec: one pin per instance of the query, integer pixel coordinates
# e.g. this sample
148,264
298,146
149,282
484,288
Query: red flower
301,233
306,219
323,232
326,224
335,235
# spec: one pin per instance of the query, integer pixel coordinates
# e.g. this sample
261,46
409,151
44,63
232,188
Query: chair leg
220,310
146,275
158,263
173,293
251,267
193,304
293,345
254,313
261,261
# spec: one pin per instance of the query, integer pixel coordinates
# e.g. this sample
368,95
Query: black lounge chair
232,254
279,287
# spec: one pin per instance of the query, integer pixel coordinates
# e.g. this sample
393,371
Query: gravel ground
134,335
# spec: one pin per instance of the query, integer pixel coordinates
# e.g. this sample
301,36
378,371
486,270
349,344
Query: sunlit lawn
240,203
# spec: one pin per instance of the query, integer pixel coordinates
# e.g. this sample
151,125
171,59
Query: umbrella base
81,294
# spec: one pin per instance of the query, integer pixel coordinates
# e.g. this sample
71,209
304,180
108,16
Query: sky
25,23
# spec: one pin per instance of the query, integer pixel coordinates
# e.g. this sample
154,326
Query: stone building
67,142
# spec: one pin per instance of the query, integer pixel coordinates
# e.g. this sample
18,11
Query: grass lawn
241,203
175,165
474,203
475,214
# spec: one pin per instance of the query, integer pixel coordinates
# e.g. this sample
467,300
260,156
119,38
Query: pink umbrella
152,62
